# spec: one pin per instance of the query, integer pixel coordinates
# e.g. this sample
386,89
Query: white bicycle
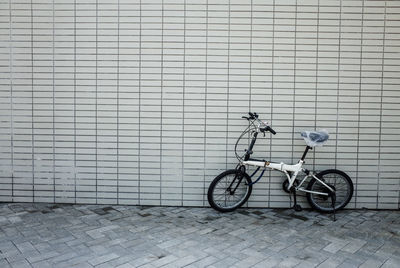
327,191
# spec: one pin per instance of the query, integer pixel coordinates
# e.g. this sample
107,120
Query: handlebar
254,116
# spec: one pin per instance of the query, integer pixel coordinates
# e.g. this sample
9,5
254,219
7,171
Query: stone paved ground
48,235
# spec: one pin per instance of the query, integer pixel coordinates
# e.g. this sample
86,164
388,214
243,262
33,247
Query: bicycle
327,191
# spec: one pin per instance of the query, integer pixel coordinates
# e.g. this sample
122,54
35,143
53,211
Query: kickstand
296,206
333,198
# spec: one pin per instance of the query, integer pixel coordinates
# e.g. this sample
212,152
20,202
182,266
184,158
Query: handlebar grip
272,131
253,115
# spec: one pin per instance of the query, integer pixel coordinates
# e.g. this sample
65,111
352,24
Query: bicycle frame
286,169
294,169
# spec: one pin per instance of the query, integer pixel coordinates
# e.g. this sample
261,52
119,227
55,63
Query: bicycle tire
222,205
323,203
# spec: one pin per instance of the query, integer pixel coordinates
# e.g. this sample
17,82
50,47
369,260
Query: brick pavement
48,235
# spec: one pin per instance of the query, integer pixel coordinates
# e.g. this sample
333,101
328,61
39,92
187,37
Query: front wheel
339,181
229,190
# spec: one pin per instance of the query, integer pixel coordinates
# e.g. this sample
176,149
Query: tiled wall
140,101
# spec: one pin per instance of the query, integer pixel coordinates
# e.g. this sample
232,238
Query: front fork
239,175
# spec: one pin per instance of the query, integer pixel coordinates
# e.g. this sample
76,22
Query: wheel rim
223,198
337,182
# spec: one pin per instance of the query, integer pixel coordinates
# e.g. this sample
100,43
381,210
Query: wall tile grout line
162,91
251,54
74,167
140,97
96,107
381,106
316,76
359,105
251,84
227,87
118,107
338,84
33,109
183,104
294,83
53,115
205,191
272,97
10,83
251,65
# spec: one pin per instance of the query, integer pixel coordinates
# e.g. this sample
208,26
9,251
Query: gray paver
133,236
370,263
391,263
103,259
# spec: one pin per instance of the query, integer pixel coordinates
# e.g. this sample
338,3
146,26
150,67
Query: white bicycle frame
294,169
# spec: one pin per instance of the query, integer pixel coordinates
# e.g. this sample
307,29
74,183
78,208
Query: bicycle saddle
315,138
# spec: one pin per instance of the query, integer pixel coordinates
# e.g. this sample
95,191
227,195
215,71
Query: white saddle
315,138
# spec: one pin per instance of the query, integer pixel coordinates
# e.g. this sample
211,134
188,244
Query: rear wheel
229,190
339,181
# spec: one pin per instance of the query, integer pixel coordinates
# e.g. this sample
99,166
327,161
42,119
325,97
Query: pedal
297,207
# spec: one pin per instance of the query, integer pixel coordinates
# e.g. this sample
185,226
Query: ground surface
48,235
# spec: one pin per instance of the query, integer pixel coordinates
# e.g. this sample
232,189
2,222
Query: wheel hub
229,190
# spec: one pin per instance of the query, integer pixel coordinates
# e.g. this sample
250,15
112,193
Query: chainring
285,185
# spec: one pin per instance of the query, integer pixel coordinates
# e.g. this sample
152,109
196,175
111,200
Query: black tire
221,183
342,185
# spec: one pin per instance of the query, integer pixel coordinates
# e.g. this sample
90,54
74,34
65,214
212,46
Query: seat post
305,152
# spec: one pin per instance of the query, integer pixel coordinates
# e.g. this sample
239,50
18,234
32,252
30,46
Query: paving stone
82,265
164,260
392,263
271,261
330,262
118,261
205,262
48,235
125,265
289,262
227,262
21,264
42,264
306,264
370,263
335,246
42,256
249,261
354,246
348,264
25,246
143,260
4,263
103,259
